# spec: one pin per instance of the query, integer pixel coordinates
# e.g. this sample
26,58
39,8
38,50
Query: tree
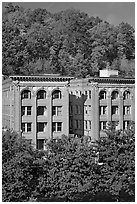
21,167
117,174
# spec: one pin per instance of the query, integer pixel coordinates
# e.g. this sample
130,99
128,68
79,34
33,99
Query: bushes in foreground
71,169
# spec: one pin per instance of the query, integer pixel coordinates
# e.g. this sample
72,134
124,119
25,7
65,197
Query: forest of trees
68,42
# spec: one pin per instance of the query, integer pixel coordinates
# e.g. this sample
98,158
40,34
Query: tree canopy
70,169
68,42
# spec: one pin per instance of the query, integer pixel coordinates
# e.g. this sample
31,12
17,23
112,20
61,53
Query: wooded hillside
68,42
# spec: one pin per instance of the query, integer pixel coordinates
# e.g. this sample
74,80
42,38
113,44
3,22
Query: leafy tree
117,174
21,167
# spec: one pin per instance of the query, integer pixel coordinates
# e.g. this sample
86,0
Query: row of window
114,95
103,94
41,110
103,110
57,110
75,109
26,94
41,127
79,93
103,125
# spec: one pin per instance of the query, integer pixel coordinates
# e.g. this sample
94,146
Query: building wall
25,116
97,111
8,104
84,109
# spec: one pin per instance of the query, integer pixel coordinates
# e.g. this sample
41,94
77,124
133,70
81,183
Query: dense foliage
70,169
68,42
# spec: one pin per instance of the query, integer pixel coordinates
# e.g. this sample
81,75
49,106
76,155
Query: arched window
126,95
26,94
114,95
41,94
56,94
102,95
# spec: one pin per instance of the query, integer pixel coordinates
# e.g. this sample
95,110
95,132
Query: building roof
112,80
45,77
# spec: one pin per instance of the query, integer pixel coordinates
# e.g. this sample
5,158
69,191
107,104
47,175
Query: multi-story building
46,107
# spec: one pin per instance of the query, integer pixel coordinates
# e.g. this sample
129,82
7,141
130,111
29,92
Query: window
56,126
23,127
103,125
77,124
26,94
126,124
86,93
40,144
86,124
56,94
41,110
103,110
26,110
86,109
23,110
114,95
89,124
71,123
127,110
79,109
116,125
89,94
115,110
57,110
41,94
41,127
26,127
126,95
102,95
71,109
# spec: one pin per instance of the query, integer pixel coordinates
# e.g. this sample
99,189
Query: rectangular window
23,127
76,109
77,124
22,110
26,127
25,110
59,127
79,109
56,126
103,110
41,110
89,94
53,127
41,127
57,110
89,124
127,110
71,109
126,124
103,125
86,124
115,110
86,93
86,109
28,110
40,144
71,123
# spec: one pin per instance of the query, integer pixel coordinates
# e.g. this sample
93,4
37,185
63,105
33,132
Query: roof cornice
46,78
112,80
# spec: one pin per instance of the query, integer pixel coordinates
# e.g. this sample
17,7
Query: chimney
107,72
